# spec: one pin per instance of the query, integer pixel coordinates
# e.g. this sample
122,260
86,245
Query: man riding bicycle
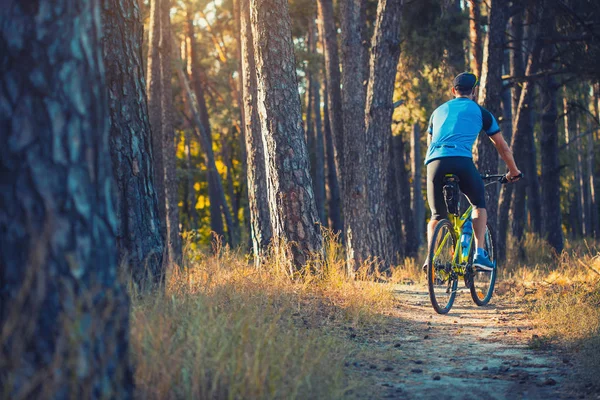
453,129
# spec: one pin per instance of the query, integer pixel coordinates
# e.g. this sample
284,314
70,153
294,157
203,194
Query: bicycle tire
483,282
442,282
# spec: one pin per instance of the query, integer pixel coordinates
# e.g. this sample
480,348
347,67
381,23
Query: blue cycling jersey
455,125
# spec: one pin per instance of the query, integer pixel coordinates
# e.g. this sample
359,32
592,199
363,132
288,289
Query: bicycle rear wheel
483,282
442,281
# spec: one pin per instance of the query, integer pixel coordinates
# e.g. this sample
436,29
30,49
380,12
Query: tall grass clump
223,328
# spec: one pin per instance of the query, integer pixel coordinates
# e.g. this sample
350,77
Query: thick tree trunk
215,206
418,205
64,314
328,33
293,212
376,241
139,237
475,36
551,214
333,192
258,198
490,97
354,176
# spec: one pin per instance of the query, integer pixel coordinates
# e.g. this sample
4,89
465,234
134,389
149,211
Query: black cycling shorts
470,183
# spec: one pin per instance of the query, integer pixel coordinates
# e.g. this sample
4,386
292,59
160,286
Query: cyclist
453,128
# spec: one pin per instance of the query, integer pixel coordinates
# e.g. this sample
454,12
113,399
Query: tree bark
407,214
293,212
333,193
63,312
576,217
376,241
215,206
258,198
418,205
332,71
551,215
475,36
154,85
354,177
139,239
316,149
490,97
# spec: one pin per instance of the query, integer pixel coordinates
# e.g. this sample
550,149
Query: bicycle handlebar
501,178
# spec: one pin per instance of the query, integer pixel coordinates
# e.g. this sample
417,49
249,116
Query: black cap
465,81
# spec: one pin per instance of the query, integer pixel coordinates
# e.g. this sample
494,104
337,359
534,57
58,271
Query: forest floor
471,353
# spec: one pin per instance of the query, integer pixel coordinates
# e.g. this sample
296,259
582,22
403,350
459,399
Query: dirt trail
471,353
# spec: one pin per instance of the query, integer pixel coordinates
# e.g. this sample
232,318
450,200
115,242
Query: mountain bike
451,258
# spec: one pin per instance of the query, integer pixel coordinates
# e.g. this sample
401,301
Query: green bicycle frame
457,224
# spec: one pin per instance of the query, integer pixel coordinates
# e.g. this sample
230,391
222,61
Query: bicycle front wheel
483,282
441,278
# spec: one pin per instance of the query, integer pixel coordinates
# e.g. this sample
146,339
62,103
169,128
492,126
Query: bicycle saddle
451,178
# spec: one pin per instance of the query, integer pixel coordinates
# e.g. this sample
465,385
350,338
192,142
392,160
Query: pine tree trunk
475,36
355,197
333,192
402,193
63,312
328,33
154,85
293,212
191,197
173,238
418,205
215,206
258,199
551,214
316,149
490,98
139,237
570,120
377,239
593,210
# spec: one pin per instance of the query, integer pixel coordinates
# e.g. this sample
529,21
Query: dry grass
562,295
225,329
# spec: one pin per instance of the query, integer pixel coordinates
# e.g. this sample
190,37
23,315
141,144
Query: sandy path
471,353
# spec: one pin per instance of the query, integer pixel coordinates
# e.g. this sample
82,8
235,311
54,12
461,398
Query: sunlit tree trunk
293,212
377,239
63,312
354,176
215,206
258,199
139,237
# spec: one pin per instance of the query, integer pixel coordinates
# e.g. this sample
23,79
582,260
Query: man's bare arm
506,155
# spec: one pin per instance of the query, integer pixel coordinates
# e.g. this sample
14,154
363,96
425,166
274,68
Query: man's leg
479,222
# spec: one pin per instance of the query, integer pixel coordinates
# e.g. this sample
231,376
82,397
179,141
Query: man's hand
513,176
